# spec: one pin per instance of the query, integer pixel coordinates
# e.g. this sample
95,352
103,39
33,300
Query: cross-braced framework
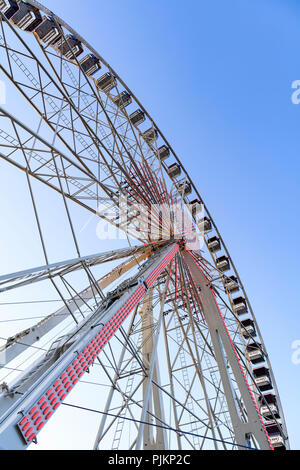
165,325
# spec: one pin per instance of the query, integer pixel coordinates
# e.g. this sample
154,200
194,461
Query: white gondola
231,284
151,135
275,433
262,379
48,31
196,207
70,47
255,353
174,170
184,188
8,8
223,264
163,153
248,328
123,100
214,244
27,17
90,64
268,406
240,306
137,118
106,82
205,225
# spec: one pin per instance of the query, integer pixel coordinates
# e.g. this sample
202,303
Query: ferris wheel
168,328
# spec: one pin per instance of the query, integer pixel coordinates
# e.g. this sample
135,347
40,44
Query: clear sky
217,78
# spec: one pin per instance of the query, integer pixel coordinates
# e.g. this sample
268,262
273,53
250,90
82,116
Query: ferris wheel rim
92,50
112,70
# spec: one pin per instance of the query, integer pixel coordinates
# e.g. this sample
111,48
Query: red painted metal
236,355
34,420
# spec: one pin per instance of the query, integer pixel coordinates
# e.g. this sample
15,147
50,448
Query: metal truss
31,401
166,328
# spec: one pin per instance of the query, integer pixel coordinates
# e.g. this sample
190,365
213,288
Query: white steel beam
25,339
226,354
29,402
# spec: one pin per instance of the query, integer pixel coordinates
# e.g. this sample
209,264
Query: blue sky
216,76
